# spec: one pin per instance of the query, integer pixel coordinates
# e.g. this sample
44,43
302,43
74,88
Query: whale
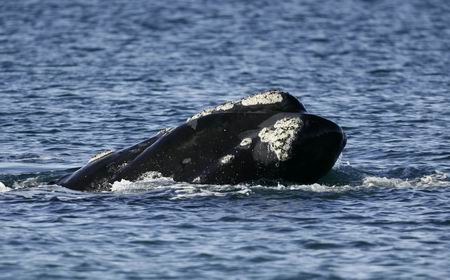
265,136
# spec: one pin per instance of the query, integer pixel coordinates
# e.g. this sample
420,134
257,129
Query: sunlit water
80,77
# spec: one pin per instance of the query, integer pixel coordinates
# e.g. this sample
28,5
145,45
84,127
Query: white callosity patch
151,175
223,107
246,142
226,159
165,130
186,161
201,114
281,136
100,155
268,97
196,180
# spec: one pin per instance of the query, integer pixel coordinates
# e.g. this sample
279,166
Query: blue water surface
82,76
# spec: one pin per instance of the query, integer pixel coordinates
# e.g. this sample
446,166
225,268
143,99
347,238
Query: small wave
30,180
154,182
28,183
341,179
437,179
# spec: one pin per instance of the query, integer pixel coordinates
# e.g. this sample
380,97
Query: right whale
265,136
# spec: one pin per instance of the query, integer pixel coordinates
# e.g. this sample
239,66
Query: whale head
315,149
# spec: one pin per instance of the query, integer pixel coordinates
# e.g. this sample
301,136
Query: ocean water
79,77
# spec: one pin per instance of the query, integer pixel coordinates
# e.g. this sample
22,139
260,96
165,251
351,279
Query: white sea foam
27,183
154,181
4,188
176,190
179,190
437,179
